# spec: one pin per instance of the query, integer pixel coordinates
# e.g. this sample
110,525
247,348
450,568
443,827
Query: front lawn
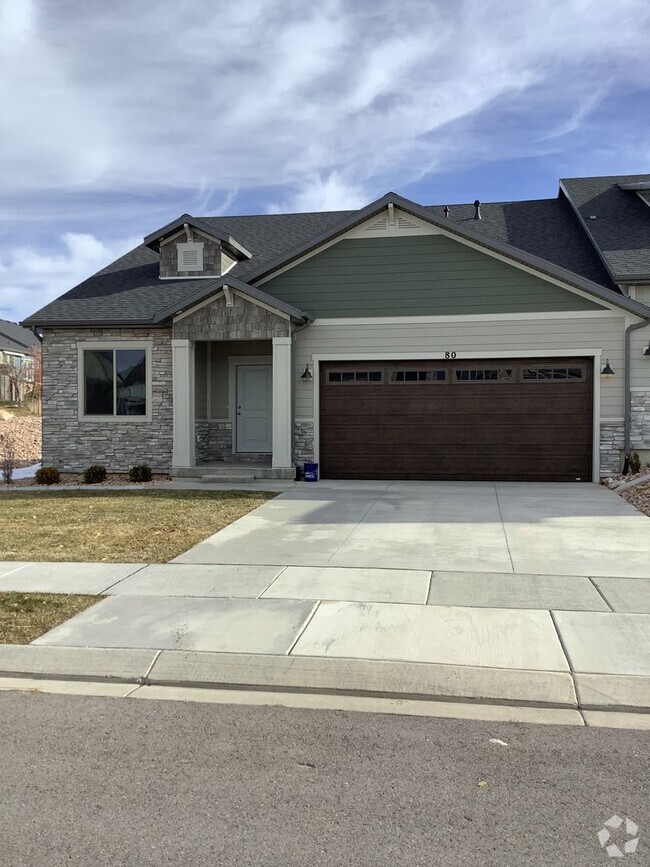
26,616
116,526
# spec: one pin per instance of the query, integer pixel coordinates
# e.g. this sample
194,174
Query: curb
367,678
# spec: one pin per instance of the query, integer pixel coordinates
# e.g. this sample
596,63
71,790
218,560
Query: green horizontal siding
415,276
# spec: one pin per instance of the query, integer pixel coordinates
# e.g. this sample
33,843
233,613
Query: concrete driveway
479,527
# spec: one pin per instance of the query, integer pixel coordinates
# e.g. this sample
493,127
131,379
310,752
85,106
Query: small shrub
635,463
140,473
47,476
94,474
8,457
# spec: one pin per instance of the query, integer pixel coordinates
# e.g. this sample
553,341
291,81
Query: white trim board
468,317
596,354
439,355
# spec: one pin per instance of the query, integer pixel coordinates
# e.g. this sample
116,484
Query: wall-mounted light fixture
608,371
306,374
646,354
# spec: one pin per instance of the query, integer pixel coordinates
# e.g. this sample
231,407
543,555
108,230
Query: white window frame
82,346
190,245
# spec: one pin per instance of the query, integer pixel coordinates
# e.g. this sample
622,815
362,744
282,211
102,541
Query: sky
118,117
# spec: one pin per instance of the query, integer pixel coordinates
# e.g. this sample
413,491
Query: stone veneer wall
212,257
640,420
71,444
242,321
612,435
214,443
303,441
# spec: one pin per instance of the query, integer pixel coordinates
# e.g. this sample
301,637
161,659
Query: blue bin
311,472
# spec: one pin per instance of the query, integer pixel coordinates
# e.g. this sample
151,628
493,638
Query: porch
232,409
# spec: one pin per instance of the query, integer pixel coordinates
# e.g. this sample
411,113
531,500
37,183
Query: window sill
115,419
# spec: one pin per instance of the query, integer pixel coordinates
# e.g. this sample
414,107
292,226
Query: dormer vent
190,256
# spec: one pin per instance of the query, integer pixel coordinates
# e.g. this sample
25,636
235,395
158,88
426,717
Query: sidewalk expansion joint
600,593
144,680
119,581
304,626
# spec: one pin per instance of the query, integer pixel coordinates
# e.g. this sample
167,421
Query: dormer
193,248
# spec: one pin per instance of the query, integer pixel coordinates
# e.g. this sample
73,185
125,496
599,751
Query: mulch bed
639,497
76,479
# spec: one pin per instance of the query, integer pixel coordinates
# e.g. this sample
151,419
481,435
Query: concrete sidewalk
559,641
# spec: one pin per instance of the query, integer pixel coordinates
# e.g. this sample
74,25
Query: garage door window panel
418,376
484,374
347,377
542,374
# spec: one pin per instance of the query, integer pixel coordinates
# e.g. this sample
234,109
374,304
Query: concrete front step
232,472
231,477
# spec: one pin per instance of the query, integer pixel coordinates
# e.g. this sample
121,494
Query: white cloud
127,95
310,105
29,279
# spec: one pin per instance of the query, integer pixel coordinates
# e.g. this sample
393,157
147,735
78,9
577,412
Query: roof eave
168,313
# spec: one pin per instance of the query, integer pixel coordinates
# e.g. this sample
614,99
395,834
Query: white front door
254,416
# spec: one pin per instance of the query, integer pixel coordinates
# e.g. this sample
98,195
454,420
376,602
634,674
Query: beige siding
526,336
642,294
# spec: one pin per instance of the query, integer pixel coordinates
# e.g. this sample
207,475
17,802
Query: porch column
183,402
282,403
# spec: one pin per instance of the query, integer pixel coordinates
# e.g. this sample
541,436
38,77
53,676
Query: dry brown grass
25,616
116,526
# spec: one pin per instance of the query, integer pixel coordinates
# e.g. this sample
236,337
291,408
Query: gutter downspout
628,394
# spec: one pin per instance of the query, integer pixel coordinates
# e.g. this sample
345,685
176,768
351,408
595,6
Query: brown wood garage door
523,420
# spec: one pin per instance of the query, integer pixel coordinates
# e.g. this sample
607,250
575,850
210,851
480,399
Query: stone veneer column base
303,441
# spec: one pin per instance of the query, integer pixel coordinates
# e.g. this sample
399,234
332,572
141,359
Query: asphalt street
99,781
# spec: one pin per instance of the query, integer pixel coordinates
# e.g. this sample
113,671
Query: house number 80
450,355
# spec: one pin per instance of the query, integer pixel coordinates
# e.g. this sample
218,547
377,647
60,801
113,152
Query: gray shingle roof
621,229
128,290
15,338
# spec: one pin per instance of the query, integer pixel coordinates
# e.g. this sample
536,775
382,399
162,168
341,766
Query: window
114,382
190,256
349,376
418,376
545,373
490,374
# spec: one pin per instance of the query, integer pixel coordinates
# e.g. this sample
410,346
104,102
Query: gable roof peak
154,239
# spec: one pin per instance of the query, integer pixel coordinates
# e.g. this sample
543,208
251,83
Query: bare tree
37,377
21,377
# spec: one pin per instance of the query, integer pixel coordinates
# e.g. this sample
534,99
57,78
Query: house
17,345
507,340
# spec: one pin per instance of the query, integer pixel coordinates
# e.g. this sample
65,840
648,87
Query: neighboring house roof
15,338
617,220
542,234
